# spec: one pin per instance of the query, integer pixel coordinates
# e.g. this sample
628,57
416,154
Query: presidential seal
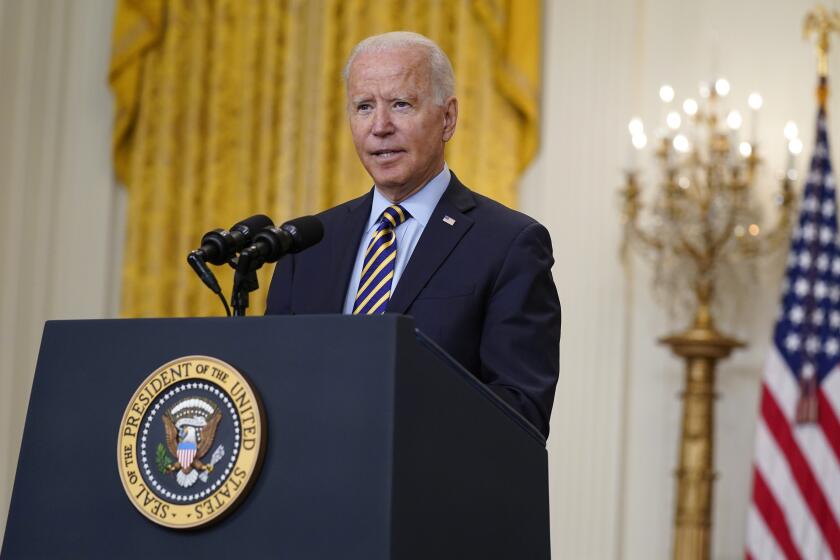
190,442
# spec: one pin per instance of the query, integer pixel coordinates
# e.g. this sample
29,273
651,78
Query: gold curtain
227,108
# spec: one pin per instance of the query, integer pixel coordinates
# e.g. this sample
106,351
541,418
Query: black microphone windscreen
250,226
306,231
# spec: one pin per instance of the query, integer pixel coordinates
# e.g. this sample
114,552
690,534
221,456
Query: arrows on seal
217,456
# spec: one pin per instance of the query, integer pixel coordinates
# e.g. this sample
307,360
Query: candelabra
704,216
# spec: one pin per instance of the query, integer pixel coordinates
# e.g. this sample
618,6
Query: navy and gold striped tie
378,269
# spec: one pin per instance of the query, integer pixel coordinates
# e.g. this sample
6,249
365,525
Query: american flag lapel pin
449,220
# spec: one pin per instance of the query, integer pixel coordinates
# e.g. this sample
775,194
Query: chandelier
705,215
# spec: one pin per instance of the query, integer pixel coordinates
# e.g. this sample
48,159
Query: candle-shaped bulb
690,107
795,146
666,93
639,141
791,130
745,148
734,120
673,120
755,101
636,126
681,143
722,87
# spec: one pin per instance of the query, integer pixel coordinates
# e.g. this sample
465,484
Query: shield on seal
186,453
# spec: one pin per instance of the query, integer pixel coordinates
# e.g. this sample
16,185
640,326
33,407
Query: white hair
442,76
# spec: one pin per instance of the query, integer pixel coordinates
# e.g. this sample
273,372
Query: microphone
197,263
269,245
218,246
292,237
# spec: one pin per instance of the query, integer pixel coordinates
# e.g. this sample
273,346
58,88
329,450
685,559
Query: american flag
795,505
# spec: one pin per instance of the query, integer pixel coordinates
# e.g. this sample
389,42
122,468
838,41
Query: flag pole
821,23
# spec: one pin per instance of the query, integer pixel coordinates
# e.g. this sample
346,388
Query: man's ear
450,117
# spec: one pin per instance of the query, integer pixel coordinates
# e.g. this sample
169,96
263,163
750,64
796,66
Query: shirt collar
420,205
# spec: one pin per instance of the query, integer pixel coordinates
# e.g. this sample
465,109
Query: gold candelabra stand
704,216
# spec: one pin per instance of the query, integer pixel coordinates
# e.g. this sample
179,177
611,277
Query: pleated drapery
227,108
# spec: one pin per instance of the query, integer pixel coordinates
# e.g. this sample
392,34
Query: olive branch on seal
162,459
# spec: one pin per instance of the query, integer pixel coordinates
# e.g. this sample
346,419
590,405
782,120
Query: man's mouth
386,154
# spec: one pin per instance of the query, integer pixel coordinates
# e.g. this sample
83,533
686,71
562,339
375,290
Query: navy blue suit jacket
481,288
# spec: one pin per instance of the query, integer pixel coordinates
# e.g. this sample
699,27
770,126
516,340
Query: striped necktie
378,269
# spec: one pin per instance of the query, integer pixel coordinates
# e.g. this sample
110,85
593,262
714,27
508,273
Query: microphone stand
244,281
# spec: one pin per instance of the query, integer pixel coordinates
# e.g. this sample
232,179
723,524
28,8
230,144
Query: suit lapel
438,240
345,246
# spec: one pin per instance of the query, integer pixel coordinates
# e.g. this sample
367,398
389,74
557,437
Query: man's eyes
368,107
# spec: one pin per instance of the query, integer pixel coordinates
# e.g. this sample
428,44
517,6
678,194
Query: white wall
616,422
616,419
59,207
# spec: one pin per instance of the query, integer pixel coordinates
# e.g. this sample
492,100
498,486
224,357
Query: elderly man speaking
475,275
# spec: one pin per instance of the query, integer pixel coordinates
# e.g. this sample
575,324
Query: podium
378,446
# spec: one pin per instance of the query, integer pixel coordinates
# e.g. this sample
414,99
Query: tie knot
393,216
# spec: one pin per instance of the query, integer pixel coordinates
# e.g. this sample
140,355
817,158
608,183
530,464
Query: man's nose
382,123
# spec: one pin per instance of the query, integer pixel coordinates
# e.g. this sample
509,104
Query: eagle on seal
190,429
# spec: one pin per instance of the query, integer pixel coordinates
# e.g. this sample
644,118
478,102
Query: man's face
398,129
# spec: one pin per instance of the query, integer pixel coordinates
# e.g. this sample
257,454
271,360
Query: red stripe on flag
808,485
829,424
773,516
